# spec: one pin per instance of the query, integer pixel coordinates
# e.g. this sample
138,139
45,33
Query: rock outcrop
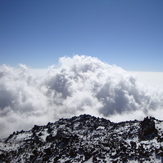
86,139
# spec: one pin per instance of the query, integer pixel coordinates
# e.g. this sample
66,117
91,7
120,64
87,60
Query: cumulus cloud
78,85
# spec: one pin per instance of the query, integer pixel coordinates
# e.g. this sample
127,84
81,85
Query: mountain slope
86,139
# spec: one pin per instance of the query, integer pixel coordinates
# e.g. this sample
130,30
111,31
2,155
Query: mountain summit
86,139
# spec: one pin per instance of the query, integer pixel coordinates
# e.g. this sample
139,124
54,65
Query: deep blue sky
128,33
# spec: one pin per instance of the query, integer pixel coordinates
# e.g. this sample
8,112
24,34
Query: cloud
78,85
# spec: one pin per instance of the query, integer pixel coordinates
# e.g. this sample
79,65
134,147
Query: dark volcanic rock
147,129
86,139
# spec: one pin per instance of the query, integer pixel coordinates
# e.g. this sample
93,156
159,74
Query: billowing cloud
76,86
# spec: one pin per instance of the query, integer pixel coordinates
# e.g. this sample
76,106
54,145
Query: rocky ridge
86,139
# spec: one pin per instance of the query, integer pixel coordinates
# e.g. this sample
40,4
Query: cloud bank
78,85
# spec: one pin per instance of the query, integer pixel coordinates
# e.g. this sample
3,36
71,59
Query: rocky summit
86,139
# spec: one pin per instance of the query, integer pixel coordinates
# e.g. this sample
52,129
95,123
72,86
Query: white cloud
78,85
153,79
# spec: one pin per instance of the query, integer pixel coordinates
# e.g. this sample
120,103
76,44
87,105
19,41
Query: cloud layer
78,85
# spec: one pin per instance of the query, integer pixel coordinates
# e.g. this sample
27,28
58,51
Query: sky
63,58
124,33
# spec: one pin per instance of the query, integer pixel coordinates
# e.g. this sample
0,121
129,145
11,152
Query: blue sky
125,33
